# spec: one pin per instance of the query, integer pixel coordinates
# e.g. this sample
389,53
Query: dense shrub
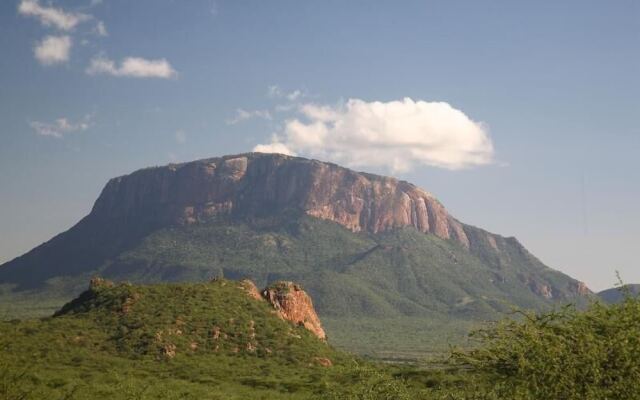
565,354
365,382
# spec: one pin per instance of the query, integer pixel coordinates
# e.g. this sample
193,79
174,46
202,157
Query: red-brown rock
253,183
294,304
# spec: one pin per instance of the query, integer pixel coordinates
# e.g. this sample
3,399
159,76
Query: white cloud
243,115
61,126
276,92
134,67
285,107
100,29
181,136
53,50
293,96
50,16
396,135
273,148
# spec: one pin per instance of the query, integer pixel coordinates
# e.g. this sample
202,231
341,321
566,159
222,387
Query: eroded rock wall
257,184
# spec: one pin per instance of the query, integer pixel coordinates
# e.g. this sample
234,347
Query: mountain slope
617,294
365,246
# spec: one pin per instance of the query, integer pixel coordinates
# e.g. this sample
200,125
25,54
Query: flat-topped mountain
364,246
253,185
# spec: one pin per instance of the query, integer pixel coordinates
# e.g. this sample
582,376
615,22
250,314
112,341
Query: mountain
617,294
381,256
213,340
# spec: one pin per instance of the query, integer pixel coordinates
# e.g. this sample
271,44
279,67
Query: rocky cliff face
294,304
258,184
290,302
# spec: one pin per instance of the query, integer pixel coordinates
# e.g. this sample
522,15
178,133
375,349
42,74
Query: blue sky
538,137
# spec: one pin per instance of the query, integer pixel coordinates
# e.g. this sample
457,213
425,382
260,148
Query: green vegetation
214,341
399,339
562,355
385,287
200,341
559,355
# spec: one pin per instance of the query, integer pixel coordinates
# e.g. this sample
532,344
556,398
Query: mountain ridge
619,293
364,201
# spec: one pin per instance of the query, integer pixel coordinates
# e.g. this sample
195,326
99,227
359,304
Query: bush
365,382
565,354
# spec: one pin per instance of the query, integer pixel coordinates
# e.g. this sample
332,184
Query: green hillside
388,287
201,341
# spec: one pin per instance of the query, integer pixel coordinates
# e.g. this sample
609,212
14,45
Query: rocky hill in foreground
212,340
370,249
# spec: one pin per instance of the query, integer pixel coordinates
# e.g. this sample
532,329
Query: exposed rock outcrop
255,184
582,289
251,289
541,289
294,304
98,282
290,302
